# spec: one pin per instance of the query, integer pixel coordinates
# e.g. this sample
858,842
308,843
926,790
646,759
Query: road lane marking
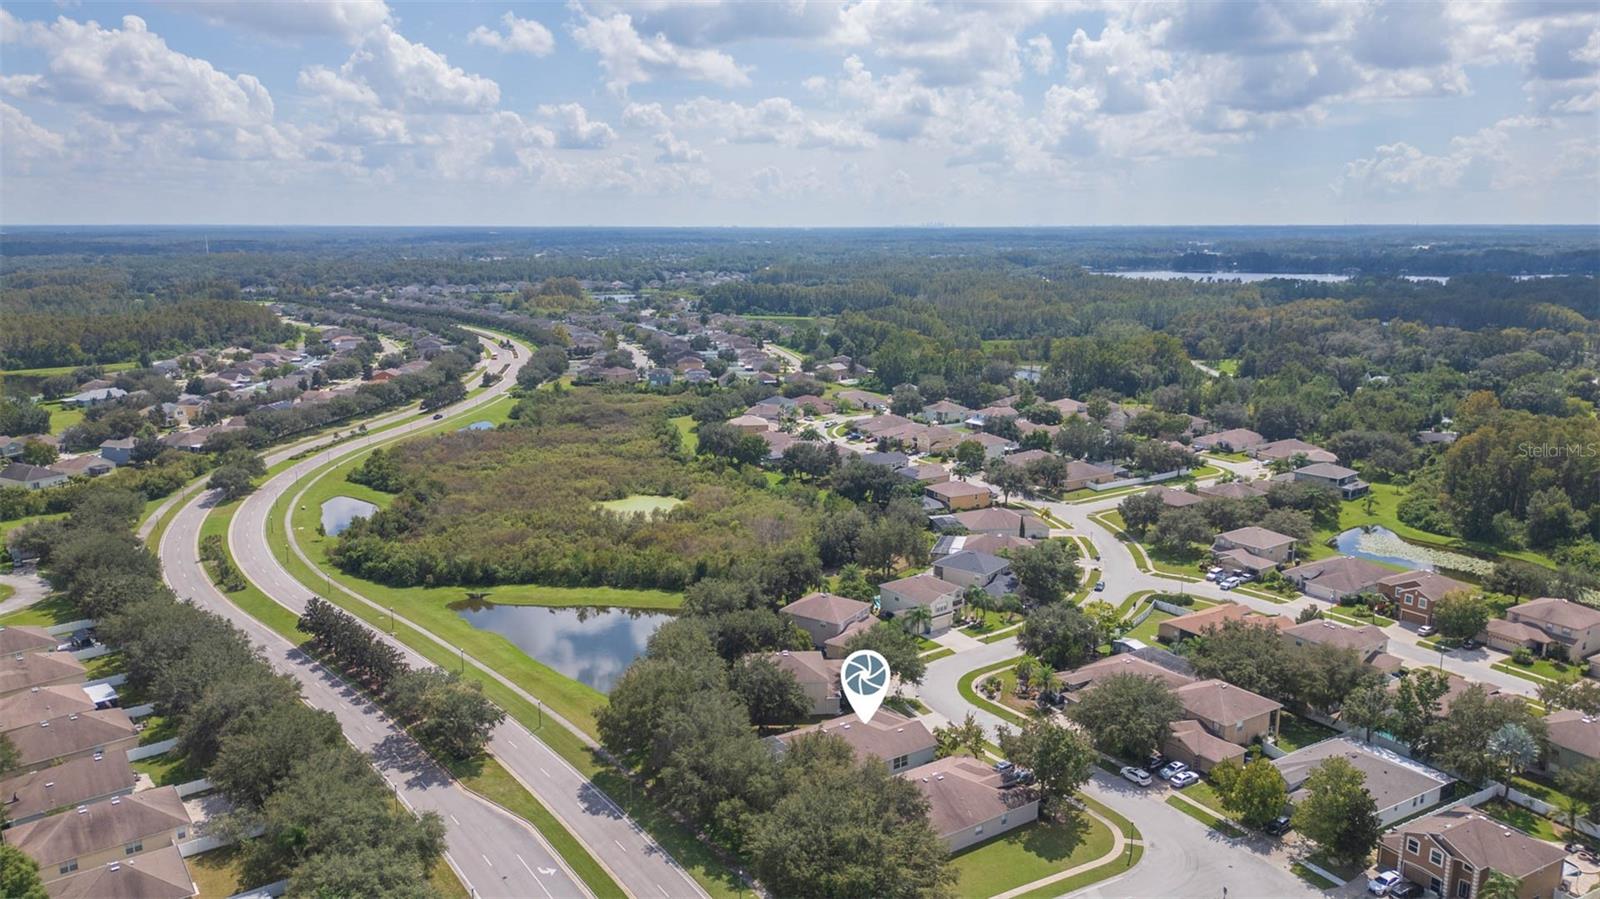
544,772
456,820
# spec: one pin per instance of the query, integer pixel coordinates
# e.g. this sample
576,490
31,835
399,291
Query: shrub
1522,656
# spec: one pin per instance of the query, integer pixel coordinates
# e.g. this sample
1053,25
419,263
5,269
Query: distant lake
337,513
589,645
1242,277
1373,543
479,426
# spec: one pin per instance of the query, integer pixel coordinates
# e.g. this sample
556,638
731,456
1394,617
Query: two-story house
1345,480
827,617
1452,852
940,597
1548,626
1415,593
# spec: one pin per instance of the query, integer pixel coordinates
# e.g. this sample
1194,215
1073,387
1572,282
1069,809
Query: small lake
1379,544
337,513
589,645
478,426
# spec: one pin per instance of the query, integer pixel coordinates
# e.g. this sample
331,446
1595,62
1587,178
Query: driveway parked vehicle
1183,779
1278,826
1405,889
1427,630
1136,776
1172,768
1383,883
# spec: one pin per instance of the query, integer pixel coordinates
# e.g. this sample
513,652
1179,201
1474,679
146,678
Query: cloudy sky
794,112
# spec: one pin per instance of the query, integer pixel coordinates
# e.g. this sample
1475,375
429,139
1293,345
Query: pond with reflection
590,645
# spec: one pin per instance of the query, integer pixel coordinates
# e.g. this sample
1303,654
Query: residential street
632,857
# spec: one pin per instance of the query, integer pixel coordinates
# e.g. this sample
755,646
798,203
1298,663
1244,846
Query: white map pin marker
865,675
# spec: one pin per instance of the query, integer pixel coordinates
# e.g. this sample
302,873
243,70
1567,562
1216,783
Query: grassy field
217,873
62,370
1147,629
5,592
642,504
49,611
1295,732
1205,817
686,431
166,769
1385,513
964,686
1356,615
62,417
1029,853
1309,876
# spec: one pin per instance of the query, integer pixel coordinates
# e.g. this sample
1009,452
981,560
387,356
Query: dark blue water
337,513
589,645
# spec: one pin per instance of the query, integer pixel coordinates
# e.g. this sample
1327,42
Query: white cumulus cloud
520,36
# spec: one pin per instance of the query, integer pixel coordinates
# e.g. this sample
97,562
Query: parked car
1278,826
1213,574
1100,585
1229,584
1427,630
1183,779
1155,763
1405,889
1383,883
1137,776
1470,643
1173,768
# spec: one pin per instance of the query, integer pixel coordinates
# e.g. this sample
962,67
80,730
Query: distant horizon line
922,227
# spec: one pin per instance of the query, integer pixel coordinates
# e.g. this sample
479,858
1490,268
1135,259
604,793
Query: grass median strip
1199,813
964,686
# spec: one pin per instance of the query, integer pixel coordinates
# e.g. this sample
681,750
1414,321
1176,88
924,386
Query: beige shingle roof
922,589
26,639
162,874
828,607
1223,703
57,737
69,783
1474,837
963,793
1575,731
1558,612
103,825
888,736
24,670
42,704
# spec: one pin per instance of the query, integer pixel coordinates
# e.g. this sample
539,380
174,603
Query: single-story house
993,544
1069,407
1565,627
975,569
993,447
1027,457
1345,480
1287,449
1368,641
1081,474
878,425
1233,440
826,615
1257,541
71,736
886,459
958,496
1452,852
1399,786
1415,593
1455,686
1087,676
85,466
1194,624
162,874
1174,498
928,473
750,424
1574,739
30,477
41,791
865,399
1003,522
95,397
817,676
813,405
1238,561
25,638
938,596
967,803
1233,489
106,831
1334,579
902,743
36,670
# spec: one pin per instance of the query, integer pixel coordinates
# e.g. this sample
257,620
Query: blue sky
793,112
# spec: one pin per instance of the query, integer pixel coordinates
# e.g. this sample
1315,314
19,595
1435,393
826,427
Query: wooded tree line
441,709
285,766
35,338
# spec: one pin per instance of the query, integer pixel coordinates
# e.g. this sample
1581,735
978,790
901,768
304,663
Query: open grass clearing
641,504
1199,813
1028,853
1295,732
52,610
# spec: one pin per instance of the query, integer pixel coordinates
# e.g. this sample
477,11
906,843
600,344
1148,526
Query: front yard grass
1029,853
1220,825
1356,615
1295,732
1309,876
47,612
1539,668
965,688
990,622
102,667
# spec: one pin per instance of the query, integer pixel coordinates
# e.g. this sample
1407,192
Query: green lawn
167,769
936,654
992,621
5,592
686,432
1309,876
1202,793
63,370
217,873
1524,820
62,417
1356,615
1226,366
1539,789
1539,668
1204,817
1029,853
1146,631
102,667
965,688
1295,732
51,610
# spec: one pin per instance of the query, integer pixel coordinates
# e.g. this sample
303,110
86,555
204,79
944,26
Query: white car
1172,769
1183,779
1136,776
1383,883
1213,574
1427,630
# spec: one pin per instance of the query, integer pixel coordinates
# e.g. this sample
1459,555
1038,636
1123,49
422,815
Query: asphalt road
633,858
495,852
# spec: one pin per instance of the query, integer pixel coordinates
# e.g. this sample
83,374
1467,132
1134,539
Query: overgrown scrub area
519,505
325,818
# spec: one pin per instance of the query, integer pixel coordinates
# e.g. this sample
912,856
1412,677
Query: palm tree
1515,747
918,619
978,599
1499,886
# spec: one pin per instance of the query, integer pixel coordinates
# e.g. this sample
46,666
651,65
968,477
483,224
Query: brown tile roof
950,489
1198,742
19,671
1205,619
1345,574
42,704
103,825
1390,778
1088,675
963,793
809,667
1472,836
69,783
921,588
1431,584
19,638
888,736
1558,612
1255,538
1574,730
828,607
1364,639
161,874
993,518
1222,703
1515,631
66,735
